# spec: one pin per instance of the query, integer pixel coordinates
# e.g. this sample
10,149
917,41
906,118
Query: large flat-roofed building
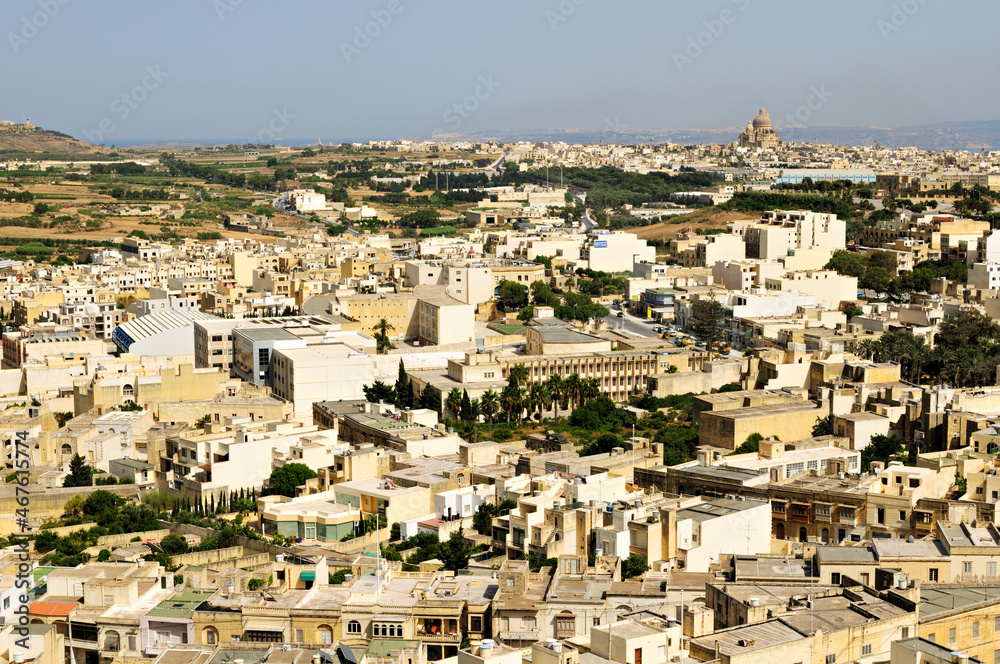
728,429
852,175
322,372
166,332
443,320
254,346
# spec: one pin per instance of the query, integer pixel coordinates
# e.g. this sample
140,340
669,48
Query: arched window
354,627
112,640
992,448
128,390
211,637
67,449
325,634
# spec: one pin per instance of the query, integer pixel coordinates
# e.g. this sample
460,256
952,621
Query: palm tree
510,401
517,375
571,387
477,410
489,403
556,390
454,400
539,399
382,330
590,388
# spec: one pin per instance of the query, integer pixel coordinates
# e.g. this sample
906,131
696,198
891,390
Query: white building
617,251
322,372
307,200
717,527
462,502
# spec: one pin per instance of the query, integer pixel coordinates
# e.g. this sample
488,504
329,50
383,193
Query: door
638,656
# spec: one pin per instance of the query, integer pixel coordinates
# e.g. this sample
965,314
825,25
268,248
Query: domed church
759,133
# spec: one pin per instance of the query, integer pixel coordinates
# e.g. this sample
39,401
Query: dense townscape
401,402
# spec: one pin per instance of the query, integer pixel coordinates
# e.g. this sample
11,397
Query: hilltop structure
759,133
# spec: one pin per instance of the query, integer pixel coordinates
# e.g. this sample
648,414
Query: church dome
762,120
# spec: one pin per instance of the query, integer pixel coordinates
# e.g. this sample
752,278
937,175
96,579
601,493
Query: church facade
759,133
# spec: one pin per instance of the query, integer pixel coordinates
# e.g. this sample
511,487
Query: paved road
630,323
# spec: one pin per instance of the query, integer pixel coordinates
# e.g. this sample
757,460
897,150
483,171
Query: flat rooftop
941,599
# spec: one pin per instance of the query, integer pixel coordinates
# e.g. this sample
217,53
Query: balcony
438,629
800,512
823,512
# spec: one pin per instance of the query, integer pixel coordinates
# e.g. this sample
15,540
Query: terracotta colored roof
51,608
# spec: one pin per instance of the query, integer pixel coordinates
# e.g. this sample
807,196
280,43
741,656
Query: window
566,623
932,574
163,637
996,624
831,658
475,623
991,569
932,637
905,633
528,622
902,515
880,515
325,634
299,636
866,649
835,578
952,636
967,567
504,623
211,636
354,627
975,629
996,657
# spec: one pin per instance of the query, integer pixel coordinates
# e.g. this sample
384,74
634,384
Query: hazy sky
237,70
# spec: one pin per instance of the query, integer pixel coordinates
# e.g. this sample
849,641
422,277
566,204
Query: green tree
455,552
750,445
482,520
382,330
379,392
511,296
174,544
80,474
404,388
430,398
709,319
824,426
489,405
454,401
881,448
633,566
517,375
287,478
465,409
